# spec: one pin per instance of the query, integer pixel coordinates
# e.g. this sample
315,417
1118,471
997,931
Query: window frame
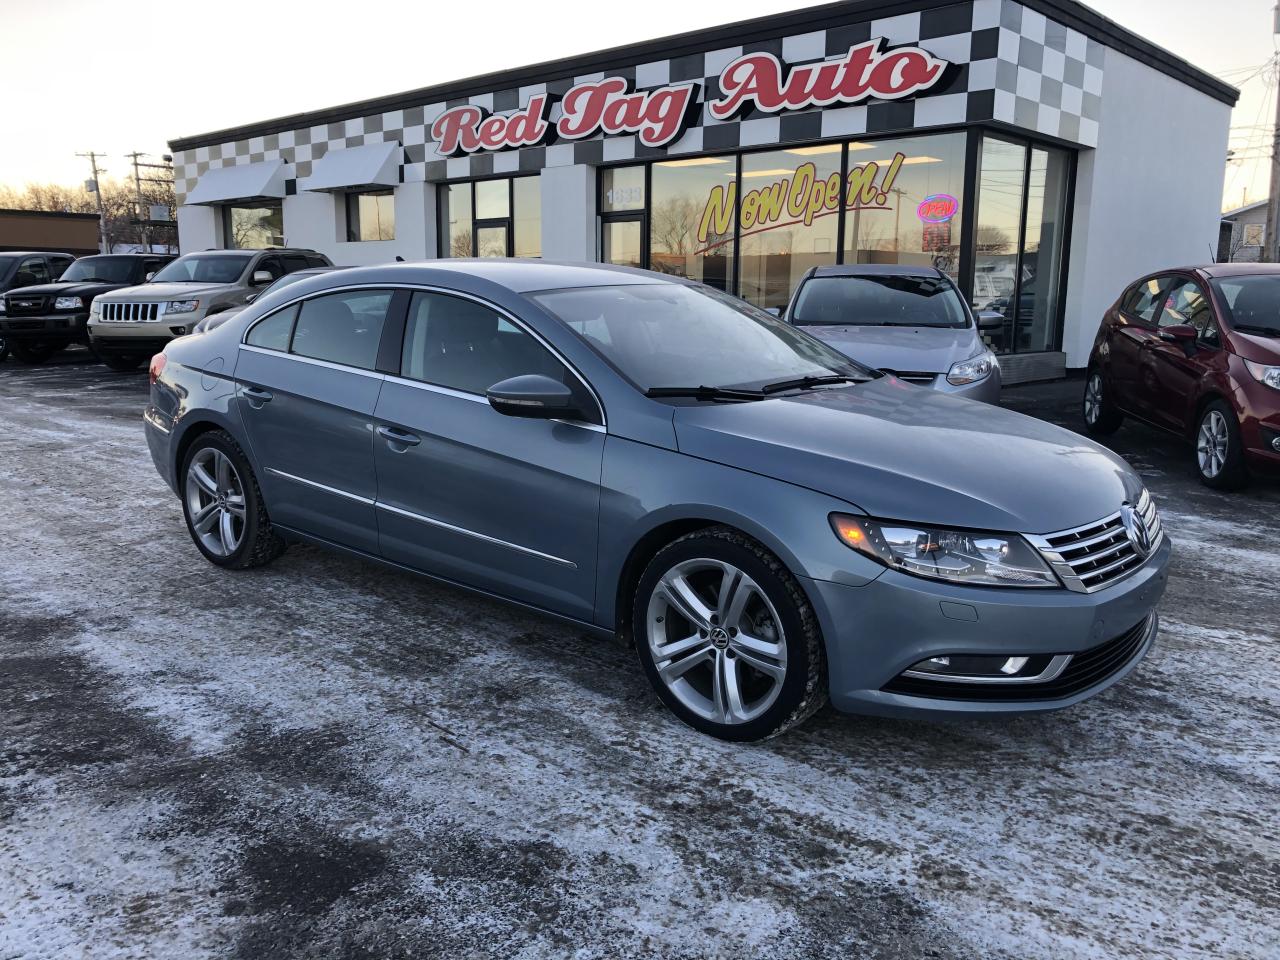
477,223
1165,280
351,198
259,205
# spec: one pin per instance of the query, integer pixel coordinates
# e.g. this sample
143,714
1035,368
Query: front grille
1098,554
26,306
1086,670
130,312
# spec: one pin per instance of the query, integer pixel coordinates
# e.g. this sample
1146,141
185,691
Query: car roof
876,270
226,253
35,253
1238,269
517,275
136,255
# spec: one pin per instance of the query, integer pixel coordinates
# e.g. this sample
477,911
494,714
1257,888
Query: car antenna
399,259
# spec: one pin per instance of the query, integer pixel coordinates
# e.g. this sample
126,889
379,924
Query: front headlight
181,306
3,309
972,370
68,303
1264,374
970,557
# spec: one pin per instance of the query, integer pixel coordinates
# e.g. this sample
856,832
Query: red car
1196,351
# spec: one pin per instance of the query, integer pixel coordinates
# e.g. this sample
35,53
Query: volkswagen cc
769,523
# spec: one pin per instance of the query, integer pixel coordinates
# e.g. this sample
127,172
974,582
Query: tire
1219,452
1101,417
34,352
121,362
237,540
4,350
694,660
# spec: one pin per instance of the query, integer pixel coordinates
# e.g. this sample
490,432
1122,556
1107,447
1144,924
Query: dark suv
38,321
1196,351
22,269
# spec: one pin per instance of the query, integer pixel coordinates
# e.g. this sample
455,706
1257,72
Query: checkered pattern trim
1010,64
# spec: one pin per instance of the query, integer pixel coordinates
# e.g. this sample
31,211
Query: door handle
257,395
402,437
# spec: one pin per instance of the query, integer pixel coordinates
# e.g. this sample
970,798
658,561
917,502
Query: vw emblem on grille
1135,526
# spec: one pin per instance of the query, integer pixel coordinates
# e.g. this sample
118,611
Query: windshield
882,300
110,269
197,268
1252,302
672,335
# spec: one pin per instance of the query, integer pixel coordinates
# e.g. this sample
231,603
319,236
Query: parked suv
129,325
38,321
1195,351
908,321
23,269
767,520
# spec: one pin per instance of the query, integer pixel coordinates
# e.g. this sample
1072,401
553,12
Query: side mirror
534,395
260,277
989,319
775,311
251,297
1178,333
149,276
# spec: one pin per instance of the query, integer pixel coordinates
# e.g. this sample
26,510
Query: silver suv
130,325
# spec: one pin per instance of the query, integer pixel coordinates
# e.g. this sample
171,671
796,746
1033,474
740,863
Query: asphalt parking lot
324,759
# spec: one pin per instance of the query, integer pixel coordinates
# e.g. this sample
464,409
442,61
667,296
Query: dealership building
1038,153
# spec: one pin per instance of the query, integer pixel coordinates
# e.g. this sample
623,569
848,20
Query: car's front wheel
34,352
1101,418
1219,450
225,513
727,637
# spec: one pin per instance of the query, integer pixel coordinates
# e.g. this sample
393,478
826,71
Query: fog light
978,669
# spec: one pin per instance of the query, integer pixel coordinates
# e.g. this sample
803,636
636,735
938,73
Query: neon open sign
938,208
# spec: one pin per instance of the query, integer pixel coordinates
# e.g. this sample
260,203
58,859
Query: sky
132,75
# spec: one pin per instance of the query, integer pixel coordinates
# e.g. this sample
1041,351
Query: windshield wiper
1254,328
705,393
806,383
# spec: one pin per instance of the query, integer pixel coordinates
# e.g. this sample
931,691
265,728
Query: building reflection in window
681,241
253,227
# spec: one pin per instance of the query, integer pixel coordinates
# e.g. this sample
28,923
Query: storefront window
1041,270
621,189
788,220
902,202
253,227
691,219
491,218
620,243
371,216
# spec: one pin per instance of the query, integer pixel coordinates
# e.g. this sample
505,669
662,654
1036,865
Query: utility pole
97,192
1272,248
144,234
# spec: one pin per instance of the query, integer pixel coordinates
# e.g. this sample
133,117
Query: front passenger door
509,505
1170,371
1132,335
306,386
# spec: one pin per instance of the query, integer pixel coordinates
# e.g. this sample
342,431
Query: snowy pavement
325,759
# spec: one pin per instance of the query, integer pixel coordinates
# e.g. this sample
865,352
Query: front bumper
877,631
45,327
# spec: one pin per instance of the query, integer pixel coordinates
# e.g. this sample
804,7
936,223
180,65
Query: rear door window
1143,300
294,261
343,328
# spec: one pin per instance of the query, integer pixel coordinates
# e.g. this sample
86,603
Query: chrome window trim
1049,673
478,398
428,288
432,521
322,486
328,364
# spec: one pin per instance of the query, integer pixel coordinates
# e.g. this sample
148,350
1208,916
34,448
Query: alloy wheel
215,501
1211,445
716,641
1093,399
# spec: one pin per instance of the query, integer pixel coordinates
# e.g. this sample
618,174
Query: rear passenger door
306,387
507,504
1132,334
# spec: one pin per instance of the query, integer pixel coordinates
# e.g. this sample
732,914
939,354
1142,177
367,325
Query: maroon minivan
1196,350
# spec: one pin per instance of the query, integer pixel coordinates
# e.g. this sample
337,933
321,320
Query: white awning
374,164
248,181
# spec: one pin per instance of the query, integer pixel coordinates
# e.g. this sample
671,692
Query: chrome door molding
432,521
321,486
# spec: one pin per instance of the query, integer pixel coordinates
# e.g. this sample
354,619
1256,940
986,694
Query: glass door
493,239
620,242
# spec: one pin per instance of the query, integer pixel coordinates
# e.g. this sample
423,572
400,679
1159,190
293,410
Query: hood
70,289
157,292
901,349
908,453
1259,349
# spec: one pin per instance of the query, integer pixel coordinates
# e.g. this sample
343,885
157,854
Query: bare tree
119,201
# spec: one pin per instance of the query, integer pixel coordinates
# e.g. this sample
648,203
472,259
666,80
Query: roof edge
1068,12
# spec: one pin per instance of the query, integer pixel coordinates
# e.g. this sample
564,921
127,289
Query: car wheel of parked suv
222,503
34,352
1101,418
1219,452
727,637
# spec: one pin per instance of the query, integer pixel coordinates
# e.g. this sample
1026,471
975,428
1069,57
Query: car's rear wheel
1101,418
34,352
1219,450
223,505
727,637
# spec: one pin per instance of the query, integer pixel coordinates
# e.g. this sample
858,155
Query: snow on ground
324,759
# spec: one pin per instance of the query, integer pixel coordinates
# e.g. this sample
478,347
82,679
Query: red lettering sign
467,128
866,72
609,106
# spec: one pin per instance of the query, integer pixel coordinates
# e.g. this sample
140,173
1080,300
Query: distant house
1243,234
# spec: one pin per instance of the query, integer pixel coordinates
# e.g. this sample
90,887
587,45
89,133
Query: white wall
199,228
569,213
317,220
1149,197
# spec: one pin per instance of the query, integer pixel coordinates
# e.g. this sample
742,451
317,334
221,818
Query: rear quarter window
273,332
